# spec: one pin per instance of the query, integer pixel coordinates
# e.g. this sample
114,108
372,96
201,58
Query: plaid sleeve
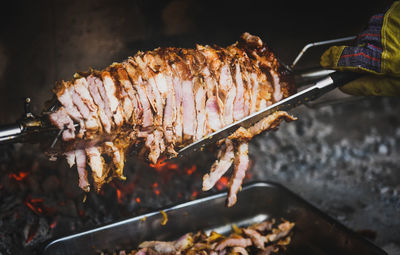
368,53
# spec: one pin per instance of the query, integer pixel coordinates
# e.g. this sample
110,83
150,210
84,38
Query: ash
344,159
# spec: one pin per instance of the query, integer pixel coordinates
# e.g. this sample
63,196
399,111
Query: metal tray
314,233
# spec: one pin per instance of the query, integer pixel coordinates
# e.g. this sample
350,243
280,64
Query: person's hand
377,54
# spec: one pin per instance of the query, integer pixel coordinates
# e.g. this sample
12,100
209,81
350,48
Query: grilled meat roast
159,101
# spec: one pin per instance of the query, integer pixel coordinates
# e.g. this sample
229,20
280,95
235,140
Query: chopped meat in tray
265,238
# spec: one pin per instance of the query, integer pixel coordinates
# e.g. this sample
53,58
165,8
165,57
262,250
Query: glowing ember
194,194
138,200
31,233
119,196
159,165
172,166
18,176
53,224
222,183
191,170
163,165
35,204
82,213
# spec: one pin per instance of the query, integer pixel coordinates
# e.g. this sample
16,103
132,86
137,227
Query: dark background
343,158
46,41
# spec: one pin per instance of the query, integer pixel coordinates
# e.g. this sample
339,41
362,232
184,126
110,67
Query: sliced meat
132,93
270,122
89,108
282,231
159,246
239,250
257,239
70,156
238,108
118,157
233,241
94,85
220,166
189,111
227,93
213,114
178,110
200,102
110,96
263,226
61,120
96,163
241,164
82,172
134,75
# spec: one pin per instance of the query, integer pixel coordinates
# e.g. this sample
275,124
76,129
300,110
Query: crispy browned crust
256,48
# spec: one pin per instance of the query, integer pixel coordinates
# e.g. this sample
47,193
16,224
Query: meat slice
95,85
70,156
147,119
241,164
82,172
144,61
200,102
178,110
233,241
96,163
110,97
270,122
263,226
84,101
64,95
257,239
220,166
159,246
238,106
156,146
189,111
118,158
132,93
61,120
227,93
239,250
280,232
213,114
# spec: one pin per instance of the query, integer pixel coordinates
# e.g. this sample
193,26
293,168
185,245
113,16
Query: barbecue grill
342,155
